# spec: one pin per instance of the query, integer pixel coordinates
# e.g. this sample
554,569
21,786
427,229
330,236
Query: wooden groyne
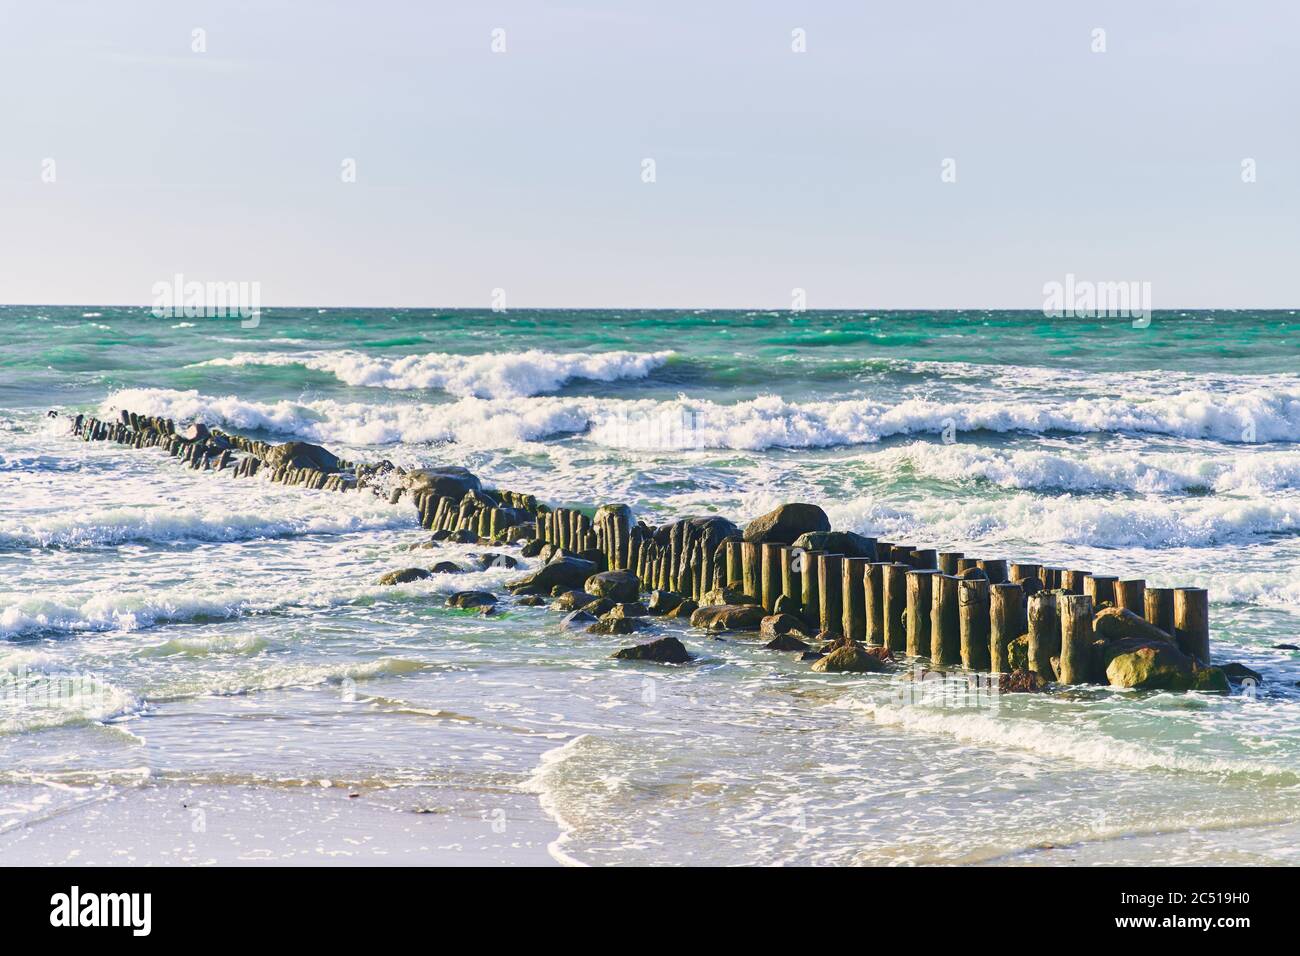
787,575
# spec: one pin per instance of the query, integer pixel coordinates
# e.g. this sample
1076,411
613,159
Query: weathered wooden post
920,599
945,623
1072,581
1131,594
949,560
853,595
812,599
973,622
1044,633
1192,622
995,568
735,571
791,574
894,589
925,559
1101,588
1023,572
1076,637
874,600
1006,611
830,577
1052,578
1158,609
750,573
770,568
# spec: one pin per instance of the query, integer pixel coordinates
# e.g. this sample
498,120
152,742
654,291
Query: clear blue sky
775,170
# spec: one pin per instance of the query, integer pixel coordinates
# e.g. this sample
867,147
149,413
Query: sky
128,157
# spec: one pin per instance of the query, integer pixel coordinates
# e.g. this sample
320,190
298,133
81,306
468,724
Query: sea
201,669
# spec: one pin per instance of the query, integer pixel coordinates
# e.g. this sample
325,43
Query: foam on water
492,375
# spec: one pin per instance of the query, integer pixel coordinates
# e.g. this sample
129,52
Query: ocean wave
1256,473
755,425
492,375
112,526
1070,520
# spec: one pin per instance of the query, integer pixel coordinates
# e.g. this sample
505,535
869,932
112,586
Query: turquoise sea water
232,632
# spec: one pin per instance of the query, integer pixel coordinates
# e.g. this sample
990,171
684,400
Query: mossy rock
848,658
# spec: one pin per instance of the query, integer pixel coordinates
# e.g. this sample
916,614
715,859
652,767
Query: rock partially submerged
1158,665
618,586
718,597
729,617
567,572
450,481
466,599
778,625
662,602
849,657
666,650
301,454
848,543
785,524
404,576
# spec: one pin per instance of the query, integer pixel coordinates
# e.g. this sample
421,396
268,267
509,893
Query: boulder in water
447,567
687,608
729,617
666,650
776,625
451,481
572,601
471,599
567,572
1119,623
720,596
661,602
301,454
404,576
848,543
618,586
785,524
848,658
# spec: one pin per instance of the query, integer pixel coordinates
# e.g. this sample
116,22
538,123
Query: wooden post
1192,622
925,559
1052,578
894,589
750,574
1101,588
874,599
812,600
965,564
1072,581
791,579
995,568
1131,594
830,580
735,573
1023,572
1006,611
1076,637
771,574
853,595
884,552
1159,609
1044,633
920,599
948,561
973,623
945,625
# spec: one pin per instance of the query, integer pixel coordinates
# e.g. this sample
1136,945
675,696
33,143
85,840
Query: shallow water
230,634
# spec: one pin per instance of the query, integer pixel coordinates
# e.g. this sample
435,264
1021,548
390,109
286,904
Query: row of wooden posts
913,601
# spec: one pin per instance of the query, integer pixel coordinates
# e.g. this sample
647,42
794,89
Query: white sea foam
761,423
490,375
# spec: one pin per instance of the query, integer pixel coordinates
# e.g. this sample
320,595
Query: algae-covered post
945,624
1130,594
770,563
894,588
1044,633
1192,622
1158,608
812,600
750,572
853,595
973,621
920,598
1006,610
1076,611
873,595
791,573
830,580
1101,588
